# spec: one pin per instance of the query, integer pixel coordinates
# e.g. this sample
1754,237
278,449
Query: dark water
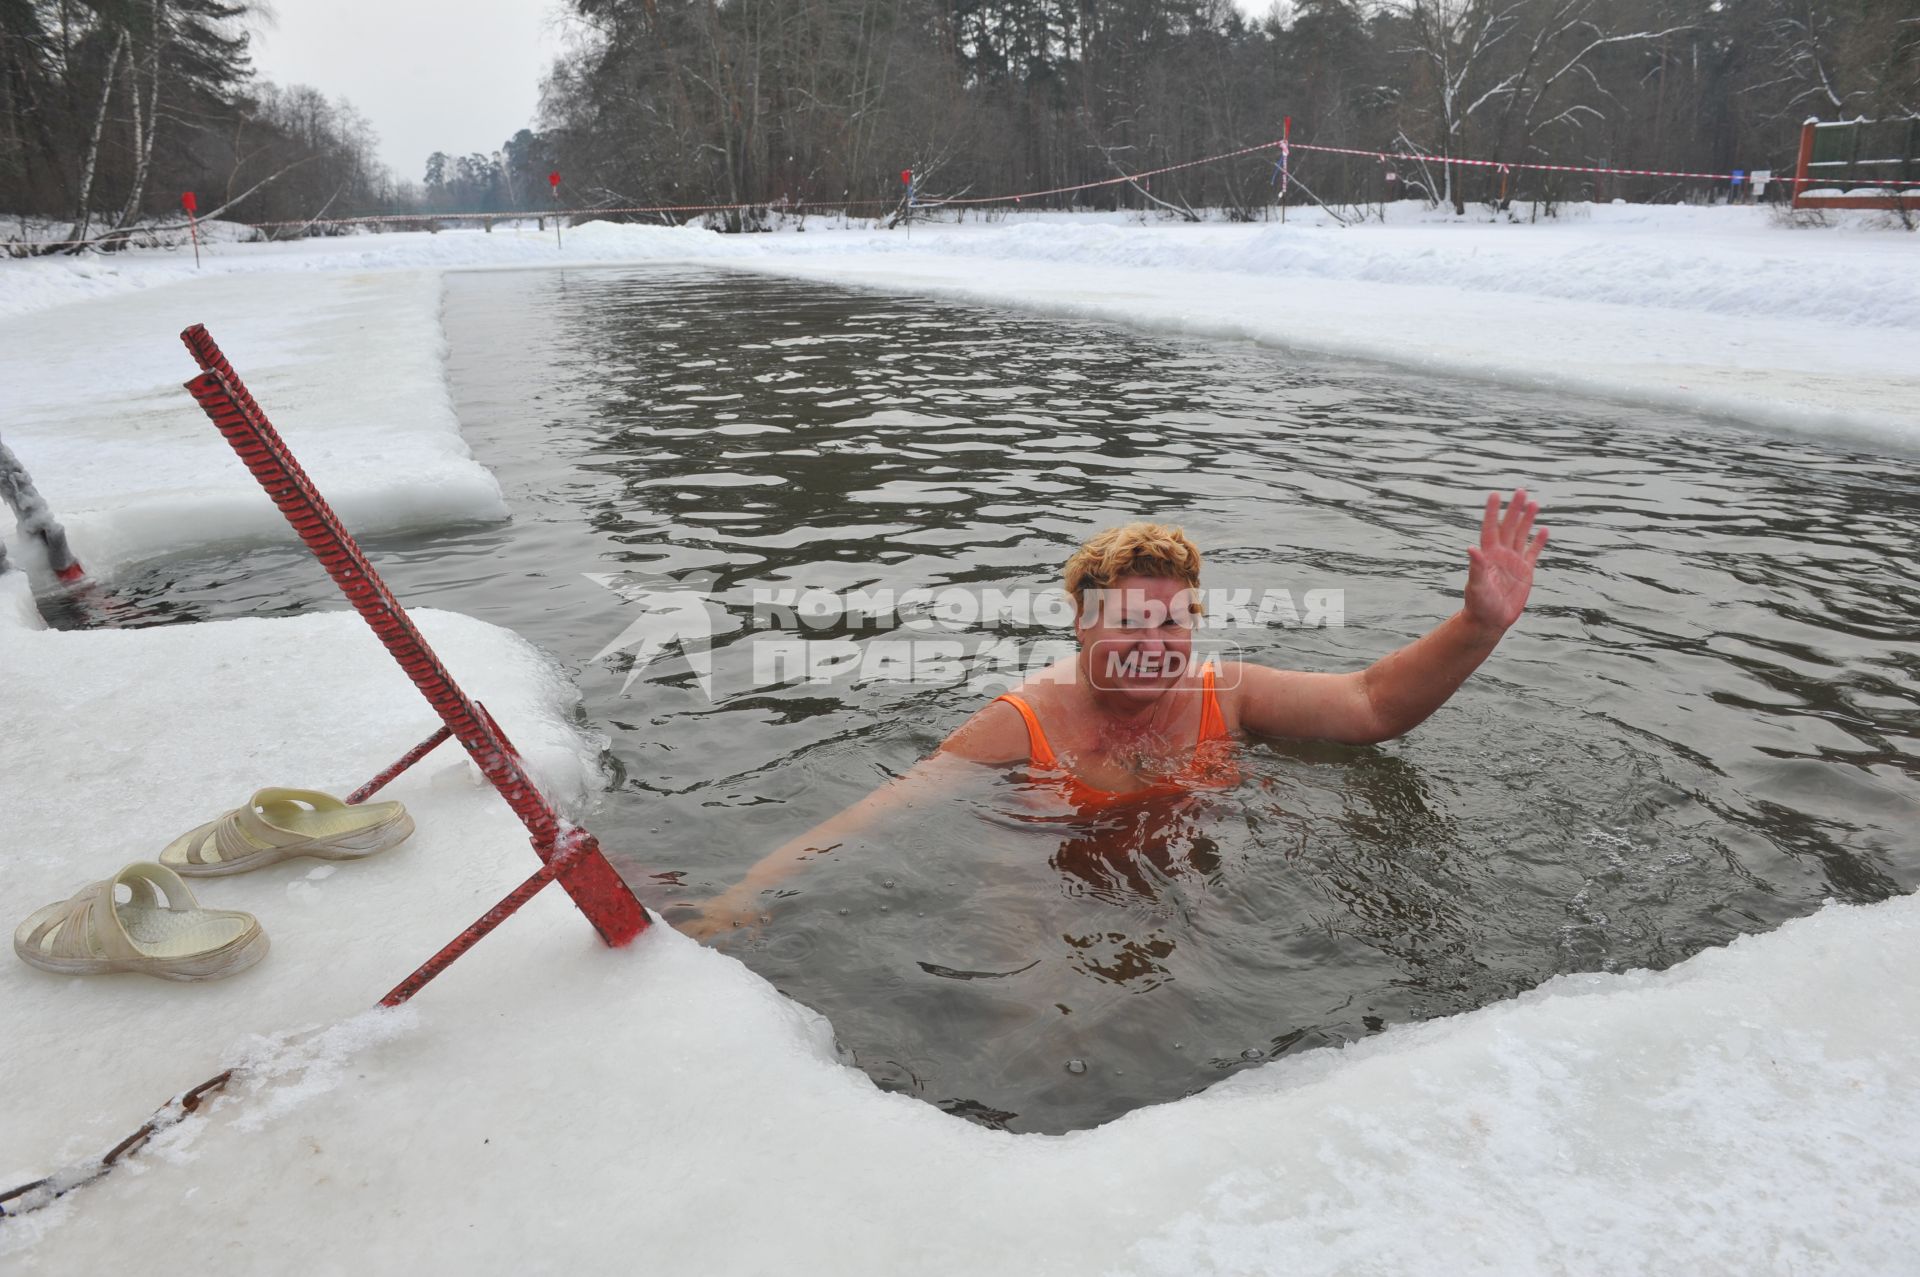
1704,726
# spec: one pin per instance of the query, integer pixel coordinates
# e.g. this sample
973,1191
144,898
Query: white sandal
159,930
280,824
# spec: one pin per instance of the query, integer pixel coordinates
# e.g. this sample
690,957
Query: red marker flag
192,206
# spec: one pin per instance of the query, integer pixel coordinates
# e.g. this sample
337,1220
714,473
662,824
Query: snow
120,739
348,365
548,1102
16,600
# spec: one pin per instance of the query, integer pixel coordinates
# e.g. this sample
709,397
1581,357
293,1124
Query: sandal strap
241,833
196,841
70,932
249,830
275,802
235,835
89,926
258,818
267,822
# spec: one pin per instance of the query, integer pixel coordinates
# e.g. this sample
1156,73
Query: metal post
1286,166
192,205
34,518
585,873
1800,164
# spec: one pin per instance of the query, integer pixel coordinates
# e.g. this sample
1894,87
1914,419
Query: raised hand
1500,574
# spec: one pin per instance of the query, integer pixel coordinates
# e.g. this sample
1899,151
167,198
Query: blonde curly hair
1133,549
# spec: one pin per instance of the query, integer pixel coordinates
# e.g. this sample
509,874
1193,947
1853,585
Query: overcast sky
430,75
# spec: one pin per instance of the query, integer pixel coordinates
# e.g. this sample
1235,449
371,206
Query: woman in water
1130,716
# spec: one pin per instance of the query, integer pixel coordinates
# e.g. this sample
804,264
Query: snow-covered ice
16,600
118,739
551,1103
350,367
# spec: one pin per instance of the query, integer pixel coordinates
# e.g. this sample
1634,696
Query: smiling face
1136,635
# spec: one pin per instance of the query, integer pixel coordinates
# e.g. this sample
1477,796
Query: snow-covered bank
1717,310
115,741
16,600
348,365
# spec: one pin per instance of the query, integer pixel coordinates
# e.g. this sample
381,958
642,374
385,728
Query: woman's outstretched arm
994,735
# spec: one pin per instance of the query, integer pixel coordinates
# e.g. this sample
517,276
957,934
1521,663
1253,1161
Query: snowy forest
109,108
759,99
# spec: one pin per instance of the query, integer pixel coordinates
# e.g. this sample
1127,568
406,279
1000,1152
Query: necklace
1142,747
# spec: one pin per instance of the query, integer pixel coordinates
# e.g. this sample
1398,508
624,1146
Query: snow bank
118,740
350,368
549,1103
16,600
1729,262
27,286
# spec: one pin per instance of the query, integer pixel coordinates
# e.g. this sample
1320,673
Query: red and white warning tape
1285,146
1414,158
1105,181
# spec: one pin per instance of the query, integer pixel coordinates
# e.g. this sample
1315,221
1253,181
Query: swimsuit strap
1042,753
1213,724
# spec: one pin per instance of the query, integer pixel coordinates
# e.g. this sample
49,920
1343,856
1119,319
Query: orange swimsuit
1208,767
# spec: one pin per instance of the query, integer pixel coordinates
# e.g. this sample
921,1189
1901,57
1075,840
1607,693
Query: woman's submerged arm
1399,691
984,738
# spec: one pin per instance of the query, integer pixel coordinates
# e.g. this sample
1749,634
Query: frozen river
1705,725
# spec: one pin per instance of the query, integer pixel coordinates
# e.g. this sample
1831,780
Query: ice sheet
349,367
